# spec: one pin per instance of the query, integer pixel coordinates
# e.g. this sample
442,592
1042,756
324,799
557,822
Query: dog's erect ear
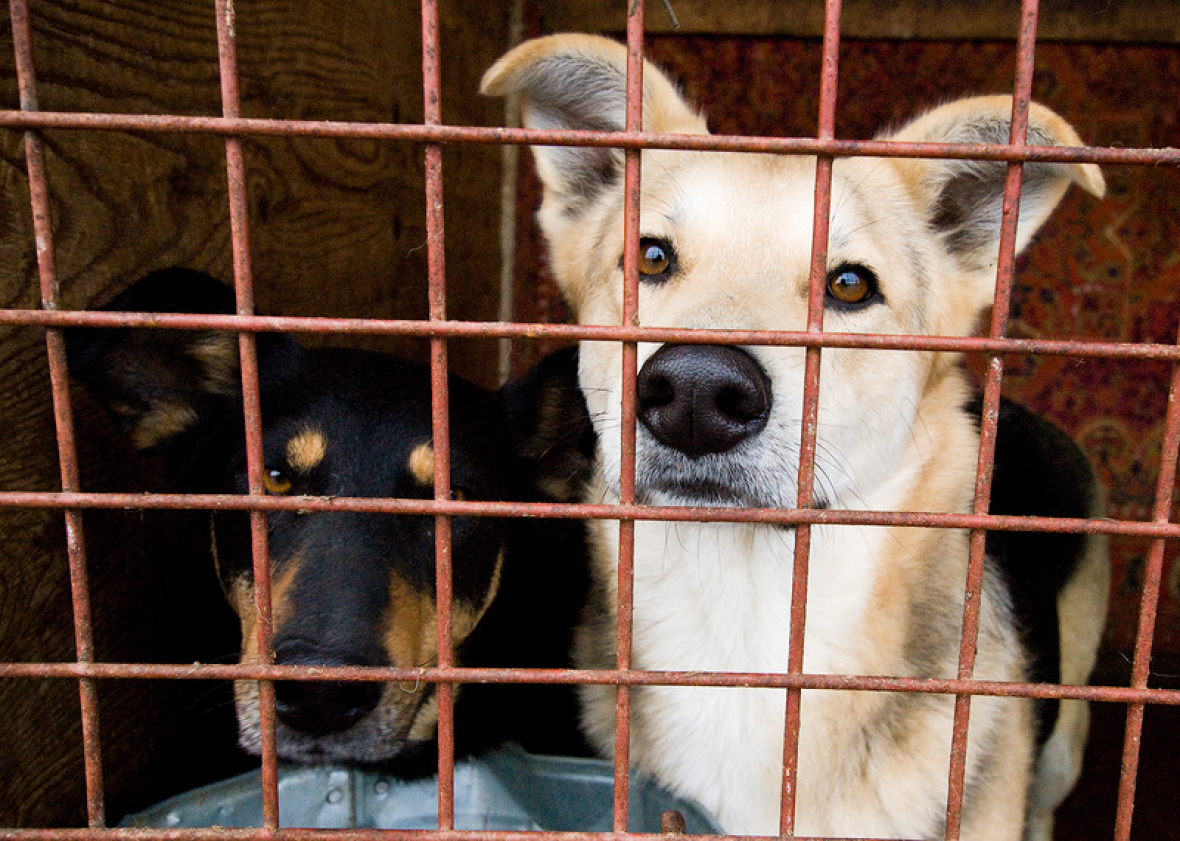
579,82
157,382
964,198
548,427
167,388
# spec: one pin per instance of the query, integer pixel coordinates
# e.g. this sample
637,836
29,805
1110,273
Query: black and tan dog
358,588
726,244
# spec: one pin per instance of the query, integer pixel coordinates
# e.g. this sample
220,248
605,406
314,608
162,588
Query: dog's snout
317,707
700,399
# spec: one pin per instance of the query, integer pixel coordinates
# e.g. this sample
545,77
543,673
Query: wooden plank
337,228
1155,21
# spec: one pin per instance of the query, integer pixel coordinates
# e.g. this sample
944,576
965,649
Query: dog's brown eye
656,258
275,481
458,495
852,285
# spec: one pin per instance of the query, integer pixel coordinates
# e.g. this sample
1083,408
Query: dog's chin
694,493
365,747
735,479
702,486
383,738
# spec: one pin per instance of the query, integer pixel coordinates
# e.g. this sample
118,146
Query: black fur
1039,472
178,394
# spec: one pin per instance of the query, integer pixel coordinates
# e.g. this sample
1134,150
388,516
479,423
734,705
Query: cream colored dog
726,240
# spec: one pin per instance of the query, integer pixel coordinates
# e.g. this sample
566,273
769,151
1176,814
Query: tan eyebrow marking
162,422
307,449
217,353
421,464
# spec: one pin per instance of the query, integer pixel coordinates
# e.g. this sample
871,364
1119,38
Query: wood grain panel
337,227
1140,21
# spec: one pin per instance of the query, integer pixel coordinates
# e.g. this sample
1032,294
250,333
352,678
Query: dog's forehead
718,190
718,200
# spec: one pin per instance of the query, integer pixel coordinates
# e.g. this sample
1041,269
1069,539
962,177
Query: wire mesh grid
432,133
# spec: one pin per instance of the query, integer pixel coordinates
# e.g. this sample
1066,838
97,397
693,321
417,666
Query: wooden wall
1057,20
337,227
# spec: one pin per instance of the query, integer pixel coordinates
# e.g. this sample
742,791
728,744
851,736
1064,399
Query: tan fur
893,436
242,600
421,464
161,422
468,617
1081,608
425,722
307,449
411,640
411,637
218,354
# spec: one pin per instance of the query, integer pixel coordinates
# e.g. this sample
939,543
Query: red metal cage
996,347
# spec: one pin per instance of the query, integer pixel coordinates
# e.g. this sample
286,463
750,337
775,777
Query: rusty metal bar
826,130
1148,612
1149,608
989,422
248,127
762,680
590,332
251,400
436,273
587,332
793,516
633,125
22,37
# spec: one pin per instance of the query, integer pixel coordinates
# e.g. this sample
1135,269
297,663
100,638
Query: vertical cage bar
509,176
1149,606
1005,272
626,573
22,38
251,401
436,263
826,130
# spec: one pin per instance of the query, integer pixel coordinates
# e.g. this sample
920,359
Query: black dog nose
701,399
318,707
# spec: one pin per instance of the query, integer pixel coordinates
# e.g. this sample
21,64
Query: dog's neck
693,579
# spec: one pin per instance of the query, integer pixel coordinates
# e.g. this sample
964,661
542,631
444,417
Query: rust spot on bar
672,823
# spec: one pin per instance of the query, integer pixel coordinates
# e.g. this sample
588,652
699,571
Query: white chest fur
716,597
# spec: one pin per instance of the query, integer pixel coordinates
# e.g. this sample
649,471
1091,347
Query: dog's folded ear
579,82
964,198
168,390
548,426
